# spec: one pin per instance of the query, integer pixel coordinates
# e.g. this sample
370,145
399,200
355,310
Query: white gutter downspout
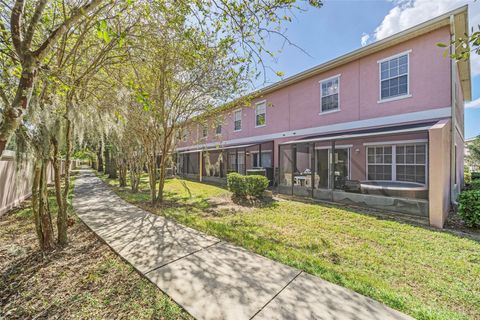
453,71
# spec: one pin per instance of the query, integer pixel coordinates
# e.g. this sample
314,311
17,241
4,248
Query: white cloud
408,13
364,39
473,104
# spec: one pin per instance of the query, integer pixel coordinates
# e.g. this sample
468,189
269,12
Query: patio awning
405,128
224,147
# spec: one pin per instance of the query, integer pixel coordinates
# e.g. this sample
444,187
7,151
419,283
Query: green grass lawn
425,273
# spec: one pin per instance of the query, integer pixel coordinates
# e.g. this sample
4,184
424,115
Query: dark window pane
394,91
420,158
385,94
420,148
384,66
393,63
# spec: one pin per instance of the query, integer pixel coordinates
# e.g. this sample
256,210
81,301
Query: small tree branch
33,23
77,15
16,26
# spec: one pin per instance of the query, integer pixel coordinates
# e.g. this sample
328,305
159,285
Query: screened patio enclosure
386,168
213,164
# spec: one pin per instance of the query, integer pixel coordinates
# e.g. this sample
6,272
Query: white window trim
241,116
337,76
394,161
256,105
379,62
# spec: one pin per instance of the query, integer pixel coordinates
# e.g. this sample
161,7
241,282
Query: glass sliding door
285,169
302,175
322,173
323,168
341,167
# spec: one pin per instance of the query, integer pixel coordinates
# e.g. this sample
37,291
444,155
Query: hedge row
242,186
469,207
469,201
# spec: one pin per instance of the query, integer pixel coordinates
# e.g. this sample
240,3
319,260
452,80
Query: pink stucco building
381,126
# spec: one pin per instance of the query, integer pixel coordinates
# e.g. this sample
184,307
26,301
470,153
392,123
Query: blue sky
341,26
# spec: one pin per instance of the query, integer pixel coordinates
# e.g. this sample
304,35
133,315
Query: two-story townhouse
381,126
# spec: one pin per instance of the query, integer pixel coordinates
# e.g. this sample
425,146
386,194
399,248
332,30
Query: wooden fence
16,179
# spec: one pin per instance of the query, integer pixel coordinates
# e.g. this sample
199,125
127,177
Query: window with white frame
218,129
394,77
237,120
379,162
411,162
204,131
260,114
329,92
402,162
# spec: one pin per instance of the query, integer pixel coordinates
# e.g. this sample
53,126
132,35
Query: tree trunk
152,178
134,181
37,171
41,213
62,218
122,173
13,113
99,159
161,180
113,167
106,154
61,215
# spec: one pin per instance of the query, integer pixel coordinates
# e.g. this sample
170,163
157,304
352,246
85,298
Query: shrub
256,185
475,184
475,175
236,183
242,186
469,207
467,175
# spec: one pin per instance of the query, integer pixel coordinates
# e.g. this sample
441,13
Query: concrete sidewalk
209,278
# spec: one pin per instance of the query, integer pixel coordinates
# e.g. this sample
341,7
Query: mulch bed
83,280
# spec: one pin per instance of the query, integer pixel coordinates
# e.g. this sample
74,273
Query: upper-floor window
329,93
260,114
237,120
394,77
204,131
218,129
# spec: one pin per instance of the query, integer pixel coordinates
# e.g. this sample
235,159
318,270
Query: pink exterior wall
298,105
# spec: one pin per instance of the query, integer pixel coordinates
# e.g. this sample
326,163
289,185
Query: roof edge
422,28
